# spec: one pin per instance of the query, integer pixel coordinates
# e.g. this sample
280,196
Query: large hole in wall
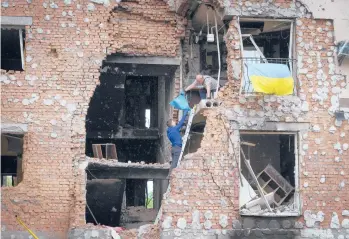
272,158
126,137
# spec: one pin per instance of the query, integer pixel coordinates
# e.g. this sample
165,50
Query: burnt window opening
11,160
141,102
272,158
12,49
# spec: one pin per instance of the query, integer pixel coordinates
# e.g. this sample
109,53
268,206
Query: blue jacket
173,133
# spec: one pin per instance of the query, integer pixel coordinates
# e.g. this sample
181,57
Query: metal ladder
184,143
186,134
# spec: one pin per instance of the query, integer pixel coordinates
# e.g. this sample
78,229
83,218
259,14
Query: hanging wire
94,218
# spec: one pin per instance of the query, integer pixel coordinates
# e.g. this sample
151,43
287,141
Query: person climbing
173,134
209,83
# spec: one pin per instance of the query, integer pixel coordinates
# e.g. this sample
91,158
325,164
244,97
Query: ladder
184,142
186,134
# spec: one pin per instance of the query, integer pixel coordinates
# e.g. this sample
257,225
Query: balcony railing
247,87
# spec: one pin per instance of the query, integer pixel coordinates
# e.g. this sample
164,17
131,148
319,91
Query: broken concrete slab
104,169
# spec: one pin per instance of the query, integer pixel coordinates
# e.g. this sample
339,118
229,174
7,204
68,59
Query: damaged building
86,88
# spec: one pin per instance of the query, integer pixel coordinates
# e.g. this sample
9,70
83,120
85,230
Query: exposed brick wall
205,183
64,49
139,29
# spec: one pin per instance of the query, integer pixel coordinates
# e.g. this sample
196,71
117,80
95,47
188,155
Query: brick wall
64,49
203,181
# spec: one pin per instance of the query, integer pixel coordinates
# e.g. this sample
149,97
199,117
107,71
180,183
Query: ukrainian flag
269,78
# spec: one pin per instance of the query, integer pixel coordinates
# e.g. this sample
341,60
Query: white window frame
11,22
297,200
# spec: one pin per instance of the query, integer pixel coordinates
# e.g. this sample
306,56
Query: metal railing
247,88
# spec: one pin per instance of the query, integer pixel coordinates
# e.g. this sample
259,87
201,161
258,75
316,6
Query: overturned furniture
272,187
272,181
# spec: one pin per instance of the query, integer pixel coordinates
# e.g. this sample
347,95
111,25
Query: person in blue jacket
174,135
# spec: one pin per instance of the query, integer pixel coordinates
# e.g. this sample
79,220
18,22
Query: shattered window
268,166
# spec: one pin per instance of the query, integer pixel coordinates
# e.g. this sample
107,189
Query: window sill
271,214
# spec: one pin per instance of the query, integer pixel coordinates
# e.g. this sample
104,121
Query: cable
219,55
91,173
92,213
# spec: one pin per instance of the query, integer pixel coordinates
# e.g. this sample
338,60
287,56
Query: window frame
297,198
291,52
21,41
20,23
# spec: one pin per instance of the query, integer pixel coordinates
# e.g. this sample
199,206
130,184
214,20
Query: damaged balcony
269,174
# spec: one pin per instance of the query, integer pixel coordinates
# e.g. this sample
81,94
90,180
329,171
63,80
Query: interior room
127,111
272,158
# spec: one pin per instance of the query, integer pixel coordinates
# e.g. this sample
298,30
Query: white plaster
48,102
181,223
334,221
345,223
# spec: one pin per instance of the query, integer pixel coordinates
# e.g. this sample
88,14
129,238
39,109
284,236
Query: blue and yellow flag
269,78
